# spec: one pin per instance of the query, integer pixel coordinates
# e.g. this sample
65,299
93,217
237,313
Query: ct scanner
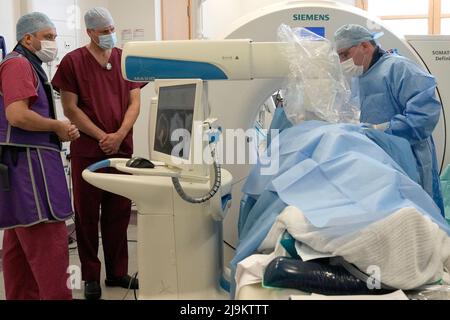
227,99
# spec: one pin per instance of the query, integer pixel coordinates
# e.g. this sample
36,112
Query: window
411,16
445,17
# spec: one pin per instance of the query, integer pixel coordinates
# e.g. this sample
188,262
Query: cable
279,100
210,194
72,239
238,181
229,245
134,277
74,229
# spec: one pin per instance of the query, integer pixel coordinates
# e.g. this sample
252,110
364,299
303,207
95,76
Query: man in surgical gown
396,96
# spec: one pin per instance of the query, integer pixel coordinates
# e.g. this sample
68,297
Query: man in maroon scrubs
104,107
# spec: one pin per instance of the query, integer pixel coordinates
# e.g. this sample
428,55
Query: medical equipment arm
206,60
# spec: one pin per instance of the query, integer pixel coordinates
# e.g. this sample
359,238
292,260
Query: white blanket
406,249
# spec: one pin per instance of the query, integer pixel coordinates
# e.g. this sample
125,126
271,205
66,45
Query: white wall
10,13
127,14
134,14
251,5
11,10
219,14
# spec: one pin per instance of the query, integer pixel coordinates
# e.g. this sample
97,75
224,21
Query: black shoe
92,290
124,282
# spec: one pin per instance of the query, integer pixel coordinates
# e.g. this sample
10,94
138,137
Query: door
176,21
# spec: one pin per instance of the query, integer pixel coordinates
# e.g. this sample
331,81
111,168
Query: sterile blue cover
337,176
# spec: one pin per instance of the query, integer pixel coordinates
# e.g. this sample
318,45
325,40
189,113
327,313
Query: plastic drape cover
316,88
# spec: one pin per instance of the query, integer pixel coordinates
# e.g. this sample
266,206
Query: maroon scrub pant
35,262
114,220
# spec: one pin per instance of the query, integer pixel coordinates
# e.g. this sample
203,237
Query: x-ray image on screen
175,111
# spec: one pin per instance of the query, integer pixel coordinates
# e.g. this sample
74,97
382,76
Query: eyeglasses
345,54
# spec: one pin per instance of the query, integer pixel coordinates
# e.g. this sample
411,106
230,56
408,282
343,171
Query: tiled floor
107,292
114,293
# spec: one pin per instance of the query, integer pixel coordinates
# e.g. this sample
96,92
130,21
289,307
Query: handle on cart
99,165
108,163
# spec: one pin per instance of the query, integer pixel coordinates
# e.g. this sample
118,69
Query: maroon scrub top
18,81
103,95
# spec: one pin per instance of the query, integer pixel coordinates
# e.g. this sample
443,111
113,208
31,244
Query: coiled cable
210,194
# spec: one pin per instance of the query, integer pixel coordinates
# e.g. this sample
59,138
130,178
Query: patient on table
343,214
343,191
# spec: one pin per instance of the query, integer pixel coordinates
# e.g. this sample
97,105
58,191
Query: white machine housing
240,59
176,240
180,244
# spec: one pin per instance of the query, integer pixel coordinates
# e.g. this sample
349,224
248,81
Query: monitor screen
174,121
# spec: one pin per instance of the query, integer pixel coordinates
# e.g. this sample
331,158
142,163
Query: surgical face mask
350,69
48,52
107,41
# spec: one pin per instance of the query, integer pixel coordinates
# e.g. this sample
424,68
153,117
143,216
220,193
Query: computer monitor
173,137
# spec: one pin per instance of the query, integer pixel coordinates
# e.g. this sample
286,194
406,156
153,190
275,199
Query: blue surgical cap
351,35
31,23
98,18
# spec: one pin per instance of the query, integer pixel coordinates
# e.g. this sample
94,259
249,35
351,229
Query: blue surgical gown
279,122
397,91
